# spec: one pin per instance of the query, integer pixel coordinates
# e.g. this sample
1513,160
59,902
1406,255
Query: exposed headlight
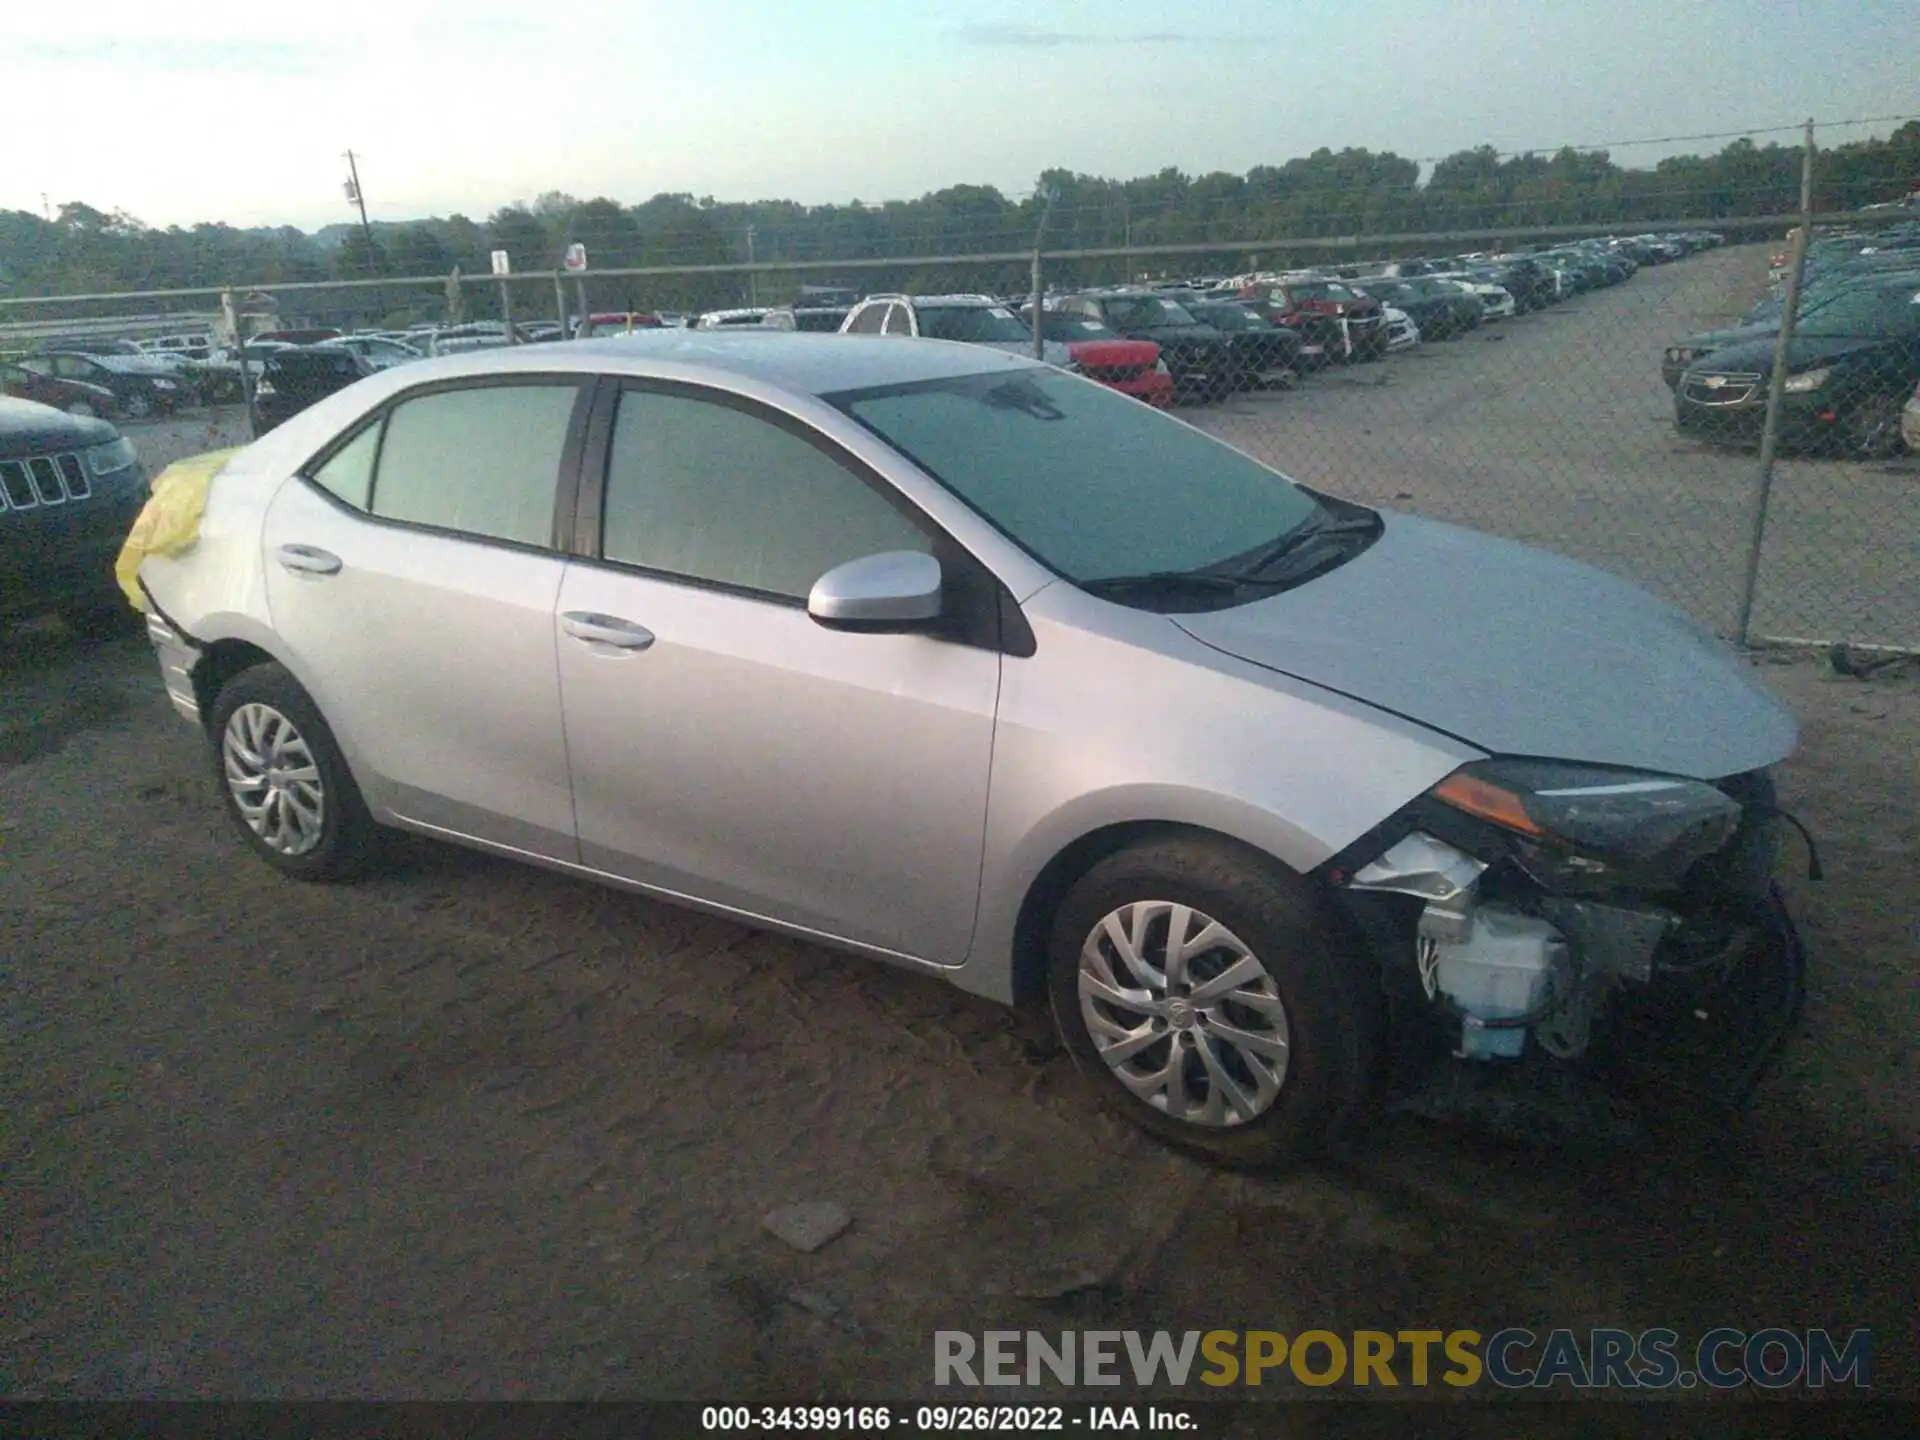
163,384
263,387
1570,824
1807,380
111,459
1160,368
1681,354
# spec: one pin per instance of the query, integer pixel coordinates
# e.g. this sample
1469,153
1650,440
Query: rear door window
482,461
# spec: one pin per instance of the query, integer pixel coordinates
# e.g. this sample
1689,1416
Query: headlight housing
1575,827
1807,380
111,458
1681,354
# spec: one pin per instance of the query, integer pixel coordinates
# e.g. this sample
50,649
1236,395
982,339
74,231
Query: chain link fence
1520,380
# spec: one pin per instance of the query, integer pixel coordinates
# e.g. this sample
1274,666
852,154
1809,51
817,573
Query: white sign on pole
501,265
576,258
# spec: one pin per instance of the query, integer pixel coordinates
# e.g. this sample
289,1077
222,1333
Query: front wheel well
219,663
1050,887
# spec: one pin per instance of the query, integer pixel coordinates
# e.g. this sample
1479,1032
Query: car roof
802,362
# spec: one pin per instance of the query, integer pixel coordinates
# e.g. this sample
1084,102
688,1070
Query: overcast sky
239,110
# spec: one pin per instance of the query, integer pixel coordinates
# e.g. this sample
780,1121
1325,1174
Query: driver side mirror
894,590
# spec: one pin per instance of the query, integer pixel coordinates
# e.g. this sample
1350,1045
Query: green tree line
1350,192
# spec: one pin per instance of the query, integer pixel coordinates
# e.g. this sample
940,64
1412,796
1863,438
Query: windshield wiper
1304,548
1192,582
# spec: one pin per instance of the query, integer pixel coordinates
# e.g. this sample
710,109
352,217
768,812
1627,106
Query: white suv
975,319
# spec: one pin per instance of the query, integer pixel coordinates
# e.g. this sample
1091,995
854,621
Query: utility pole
358,197
753,279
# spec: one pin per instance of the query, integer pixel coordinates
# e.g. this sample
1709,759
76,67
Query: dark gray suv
70,489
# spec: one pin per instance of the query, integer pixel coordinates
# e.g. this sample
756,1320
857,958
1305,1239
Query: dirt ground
468,1130
471,1130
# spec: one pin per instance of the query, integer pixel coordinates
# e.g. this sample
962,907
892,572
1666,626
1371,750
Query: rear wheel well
1050,887
219,663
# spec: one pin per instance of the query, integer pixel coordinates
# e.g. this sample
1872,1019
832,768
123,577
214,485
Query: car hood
30,428
1179,334
1756,356
1113,353
1516,651
1721,339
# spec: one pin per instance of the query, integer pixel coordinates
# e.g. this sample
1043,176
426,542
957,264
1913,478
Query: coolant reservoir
1508,965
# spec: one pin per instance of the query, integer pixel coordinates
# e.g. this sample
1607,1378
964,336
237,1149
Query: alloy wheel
274,779
1184,1013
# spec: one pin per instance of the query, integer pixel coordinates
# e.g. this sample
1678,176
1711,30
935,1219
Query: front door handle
309,560
606,630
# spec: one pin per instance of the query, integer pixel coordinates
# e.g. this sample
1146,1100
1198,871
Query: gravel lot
467,1130
1556,429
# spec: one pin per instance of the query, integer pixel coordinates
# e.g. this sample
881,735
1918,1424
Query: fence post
1039,332
560,304
506,310
1039,236
1776,389
230,312
586,316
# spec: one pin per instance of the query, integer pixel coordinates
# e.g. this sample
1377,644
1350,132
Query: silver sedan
954,660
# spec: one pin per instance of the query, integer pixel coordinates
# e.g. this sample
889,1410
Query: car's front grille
1721,389
42,480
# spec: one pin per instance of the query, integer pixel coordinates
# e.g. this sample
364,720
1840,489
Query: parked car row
1851,386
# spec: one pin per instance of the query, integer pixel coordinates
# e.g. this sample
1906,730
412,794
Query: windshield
1089,481
1147,311
1231,317
976,324
1078,327
1321,290
1879,310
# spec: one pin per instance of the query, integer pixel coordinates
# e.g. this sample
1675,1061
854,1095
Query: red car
1350,326
1100,352
606,323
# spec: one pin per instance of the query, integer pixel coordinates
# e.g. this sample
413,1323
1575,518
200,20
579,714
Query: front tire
286,785
1215,1001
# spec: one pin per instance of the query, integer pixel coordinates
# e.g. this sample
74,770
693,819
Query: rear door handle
606,630
309,560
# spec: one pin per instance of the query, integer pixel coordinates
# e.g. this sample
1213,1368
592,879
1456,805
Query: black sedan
1440,311
142,387
301,375
1850,368
1266,355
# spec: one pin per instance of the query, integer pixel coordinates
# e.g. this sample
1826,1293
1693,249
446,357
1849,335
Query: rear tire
1277,1064
286,786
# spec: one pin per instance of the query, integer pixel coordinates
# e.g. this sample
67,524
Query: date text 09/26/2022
945,1419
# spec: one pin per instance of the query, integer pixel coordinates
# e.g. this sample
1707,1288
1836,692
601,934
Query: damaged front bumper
1529,982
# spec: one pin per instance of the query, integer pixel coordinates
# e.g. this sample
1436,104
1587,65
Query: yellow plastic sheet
171,520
